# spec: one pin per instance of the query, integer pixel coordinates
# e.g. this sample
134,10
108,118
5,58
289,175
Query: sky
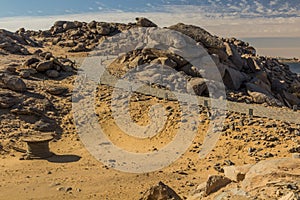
226,18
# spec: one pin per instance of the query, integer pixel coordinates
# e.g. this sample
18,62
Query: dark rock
199,35
144,22
214,183
233,79
7,100
30,61
44,66
15,84
52,74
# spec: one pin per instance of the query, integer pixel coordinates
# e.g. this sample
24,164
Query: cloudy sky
238,18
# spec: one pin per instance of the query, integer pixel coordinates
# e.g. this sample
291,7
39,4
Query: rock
214,183
236,173
296,155
57,90
80,48
15,84
268,171
161,192
291,98
234,56
197,86
260,95
92,24
52,74
59,23
7,100
264,85
69,25
144,22
103,28
165,61
25,74
44,66
253,64
290,196
30,61
44,126
233,79
199,35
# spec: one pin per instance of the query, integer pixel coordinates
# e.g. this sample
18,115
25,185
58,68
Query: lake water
294,67
285,47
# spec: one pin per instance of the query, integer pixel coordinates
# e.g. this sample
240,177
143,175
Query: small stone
68,189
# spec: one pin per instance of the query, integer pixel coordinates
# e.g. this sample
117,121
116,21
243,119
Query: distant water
285,47
294,67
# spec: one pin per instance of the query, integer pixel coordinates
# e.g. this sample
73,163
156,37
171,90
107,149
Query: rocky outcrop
15,43
161,192
247,77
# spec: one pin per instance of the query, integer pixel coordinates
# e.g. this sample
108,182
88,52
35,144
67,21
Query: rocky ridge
36,97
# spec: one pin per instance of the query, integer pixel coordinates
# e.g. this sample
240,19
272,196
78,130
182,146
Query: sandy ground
73,173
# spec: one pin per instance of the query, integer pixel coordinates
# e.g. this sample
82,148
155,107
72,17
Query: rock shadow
63,158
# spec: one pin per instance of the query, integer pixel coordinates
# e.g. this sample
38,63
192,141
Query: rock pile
82,36
45,63
264,80
247,77
15,43
269,179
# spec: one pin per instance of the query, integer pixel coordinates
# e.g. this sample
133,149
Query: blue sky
244,8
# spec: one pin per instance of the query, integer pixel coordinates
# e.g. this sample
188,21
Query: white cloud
218,24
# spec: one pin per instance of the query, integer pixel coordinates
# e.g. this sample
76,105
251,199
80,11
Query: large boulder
233,79
234,56
197,86
199,35
260,95
161,192
270,171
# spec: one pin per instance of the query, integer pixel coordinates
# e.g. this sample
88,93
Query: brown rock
214,183
15,84
236,173
52,73
144,22
161,192
264,172
233,79
44,66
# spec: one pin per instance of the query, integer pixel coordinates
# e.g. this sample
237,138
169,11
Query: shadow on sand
63,158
